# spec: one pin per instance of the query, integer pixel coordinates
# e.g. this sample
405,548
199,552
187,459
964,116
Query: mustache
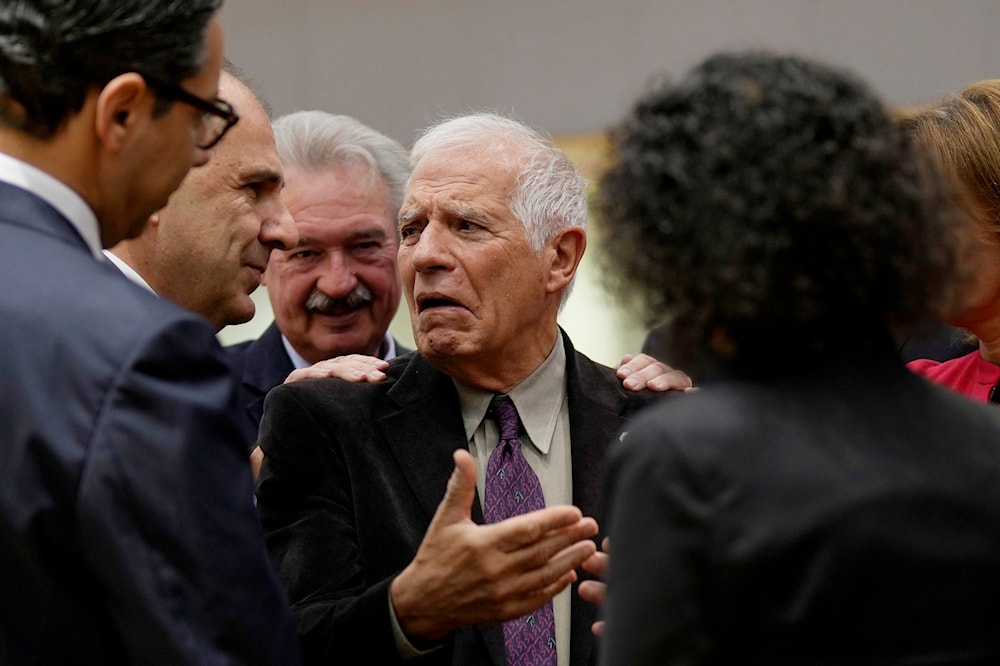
320,302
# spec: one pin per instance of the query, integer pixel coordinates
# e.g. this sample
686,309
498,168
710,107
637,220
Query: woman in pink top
963,131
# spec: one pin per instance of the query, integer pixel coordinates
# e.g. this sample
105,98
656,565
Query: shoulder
600,384
406,377
932,369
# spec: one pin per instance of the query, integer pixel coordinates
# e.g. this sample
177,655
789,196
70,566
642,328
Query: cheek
287,288
403,268
379,277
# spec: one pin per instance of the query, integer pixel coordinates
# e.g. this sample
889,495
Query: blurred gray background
574,67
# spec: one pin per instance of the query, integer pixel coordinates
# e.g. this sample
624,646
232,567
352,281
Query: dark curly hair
772,203
53,52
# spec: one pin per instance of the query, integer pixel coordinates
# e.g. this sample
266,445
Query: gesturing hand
465,574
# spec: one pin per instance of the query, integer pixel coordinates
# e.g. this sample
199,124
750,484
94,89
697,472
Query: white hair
314,140
550,194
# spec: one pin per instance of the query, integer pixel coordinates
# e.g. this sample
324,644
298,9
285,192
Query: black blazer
260,365
127,532
352,476
844,513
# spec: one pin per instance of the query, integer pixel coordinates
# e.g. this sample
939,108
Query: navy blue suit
127,531
259,366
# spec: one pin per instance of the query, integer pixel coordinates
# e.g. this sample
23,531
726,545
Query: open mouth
436,302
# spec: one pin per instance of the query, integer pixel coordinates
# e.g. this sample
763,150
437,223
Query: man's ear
122,104
566,250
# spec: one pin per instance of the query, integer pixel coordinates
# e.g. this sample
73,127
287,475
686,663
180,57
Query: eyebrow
470,214
374,233
262,175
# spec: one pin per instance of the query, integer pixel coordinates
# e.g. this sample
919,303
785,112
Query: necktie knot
505,414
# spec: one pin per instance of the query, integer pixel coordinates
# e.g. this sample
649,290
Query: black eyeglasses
219,116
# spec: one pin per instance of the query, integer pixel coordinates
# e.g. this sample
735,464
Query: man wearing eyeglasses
206,250
126,530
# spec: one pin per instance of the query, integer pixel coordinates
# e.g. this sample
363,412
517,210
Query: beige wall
574,66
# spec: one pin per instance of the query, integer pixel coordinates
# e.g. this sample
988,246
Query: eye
302,254
408,230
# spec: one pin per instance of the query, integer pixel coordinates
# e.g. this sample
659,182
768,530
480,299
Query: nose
278,231
430,251
337,278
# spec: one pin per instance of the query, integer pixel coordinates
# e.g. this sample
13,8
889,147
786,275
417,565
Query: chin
439,344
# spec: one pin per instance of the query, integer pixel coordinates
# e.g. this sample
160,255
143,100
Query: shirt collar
538,400
389,345
70,204
127,270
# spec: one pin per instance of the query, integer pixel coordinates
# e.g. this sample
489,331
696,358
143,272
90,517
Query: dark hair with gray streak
771,202
53,52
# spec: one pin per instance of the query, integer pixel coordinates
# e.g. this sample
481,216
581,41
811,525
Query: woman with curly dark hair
814,502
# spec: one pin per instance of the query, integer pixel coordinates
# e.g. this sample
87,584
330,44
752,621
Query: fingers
624,362
668,380
351,368
530,528
593,591
596,564
645,372
631,364
558,571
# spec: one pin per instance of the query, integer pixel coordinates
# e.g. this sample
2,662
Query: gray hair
314,140
550,194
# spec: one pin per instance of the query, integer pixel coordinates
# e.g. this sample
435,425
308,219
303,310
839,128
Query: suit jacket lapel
596,406
423,426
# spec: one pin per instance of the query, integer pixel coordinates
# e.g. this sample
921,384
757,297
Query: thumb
456,506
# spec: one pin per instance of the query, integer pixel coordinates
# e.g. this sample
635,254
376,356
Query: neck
498,373
67,156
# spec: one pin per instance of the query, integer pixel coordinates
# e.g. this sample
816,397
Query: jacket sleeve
166,512
306,507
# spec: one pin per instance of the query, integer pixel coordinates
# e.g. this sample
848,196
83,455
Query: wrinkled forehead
464,171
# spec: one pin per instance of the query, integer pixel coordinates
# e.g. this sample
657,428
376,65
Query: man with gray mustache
336,291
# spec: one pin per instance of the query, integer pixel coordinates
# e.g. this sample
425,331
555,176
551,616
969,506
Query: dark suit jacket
352,476
847,513
259,366
127,532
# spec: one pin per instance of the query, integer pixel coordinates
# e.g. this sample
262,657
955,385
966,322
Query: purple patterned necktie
512,488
